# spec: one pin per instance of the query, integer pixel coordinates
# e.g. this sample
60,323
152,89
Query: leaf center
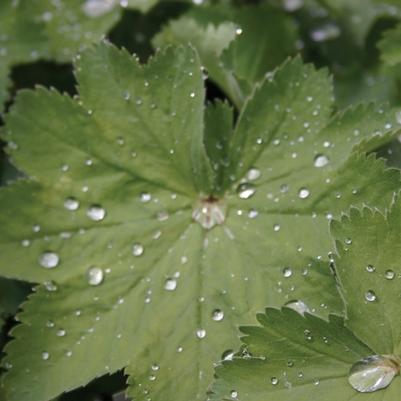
209,212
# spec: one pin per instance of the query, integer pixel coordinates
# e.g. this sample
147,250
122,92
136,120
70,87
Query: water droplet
321,161
49,260
137,249
373,373
233,394
45,355
276,227
303,193
287,272
217,315
97,8
50,286
61,333
370,269
325,32
228,355
71,204
292,5
274,381
95,275
201,333
170,284
389,274
245,191
298,306
145,197
253,174
96,213
370,296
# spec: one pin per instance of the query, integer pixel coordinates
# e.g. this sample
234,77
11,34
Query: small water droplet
50,286
137,249
253,174
61,333
96,213
145,197
370,269
287,272
217,315
201,333
45,355
298,306
95,275
373,373
303,193
321,161
49,260
71,204
370,296
276,227
233,394
170,284
389,274
274,381
246,191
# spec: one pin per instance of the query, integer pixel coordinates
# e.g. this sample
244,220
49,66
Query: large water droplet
321,161
245,191
137,249
95,275
49,260
373,373
71,204
96,213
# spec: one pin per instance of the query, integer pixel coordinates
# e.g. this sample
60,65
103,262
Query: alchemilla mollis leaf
148,245
296,357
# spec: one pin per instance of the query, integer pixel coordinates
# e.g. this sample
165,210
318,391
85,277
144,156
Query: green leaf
121,177
44,29
390,46
374,254
238,47
297,357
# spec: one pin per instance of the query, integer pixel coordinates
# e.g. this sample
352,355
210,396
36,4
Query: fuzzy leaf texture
297,357
130,178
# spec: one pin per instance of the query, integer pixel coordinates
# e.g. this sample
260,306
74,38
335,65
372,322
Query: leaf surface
119,180
297,357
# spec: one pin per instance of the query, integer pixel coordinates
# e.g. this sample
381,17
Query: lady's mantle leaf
301,358
109,222
236,48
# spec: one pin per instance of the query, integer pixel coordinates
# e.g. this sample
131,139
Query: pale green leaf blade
151,110
295,357
368,271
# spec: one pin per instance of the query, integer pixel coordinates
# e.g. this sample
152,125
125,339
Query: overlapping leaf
303,357
390,46
237,48
44,29
117,175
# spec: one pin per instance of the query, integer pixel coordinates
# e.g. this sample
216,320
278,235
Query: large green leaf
121,178
237,47
301,358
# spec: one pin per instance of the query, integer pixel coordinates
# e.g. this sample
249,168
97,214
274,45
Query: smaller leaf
390,46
